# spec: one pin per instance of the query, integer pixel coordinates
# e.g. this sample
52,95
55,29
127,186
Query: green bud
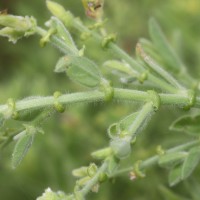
102,153
83,181
58,11
92,170
121,147
17,27
103,177
80,172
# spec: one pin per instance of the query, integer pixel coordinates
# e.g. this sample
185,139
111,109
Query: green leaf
163,47
116,128
62,64
190,163
175,175
21,148
1,120
170,159
29,115
113,164
84,71
188,124
168,194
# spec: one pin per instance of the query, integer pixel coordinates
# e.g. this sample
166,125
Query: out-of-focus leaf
175,175
163,47
188,124
190,162
170,159
21,148
169,194
1,120
84,71
112,164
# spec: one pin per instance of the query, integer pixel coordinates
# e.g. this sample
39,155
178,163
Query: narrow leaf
188,124
171,159
175,175
21,148
64,34
190,163
163,47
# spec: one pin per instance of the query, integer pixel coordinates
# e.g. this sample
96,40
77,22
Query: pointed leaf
21,148
84,71
116,128
191,162
171,159
188,124
163,47
175,176
64,34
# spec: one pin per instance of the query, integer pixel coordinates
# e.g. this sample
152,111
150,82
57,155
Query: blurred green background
27,70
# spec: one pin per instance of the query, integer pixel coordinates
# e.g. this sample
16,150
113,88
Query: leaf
116,128
168,194
113,164
84,71
170,159
190,163
21,148
64,33
29,115
163,47
62,64
188,124
1,120
175,175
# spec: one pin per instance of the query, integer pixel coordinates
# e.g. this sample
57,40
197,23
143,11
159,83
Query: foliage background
26,69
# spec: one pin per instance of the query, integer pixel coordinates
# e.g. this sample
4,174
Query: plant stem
141,118
154,159
94,96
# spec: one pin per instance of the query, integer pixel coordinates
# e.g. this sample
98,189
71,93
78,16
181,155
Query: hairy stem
154,159
131,96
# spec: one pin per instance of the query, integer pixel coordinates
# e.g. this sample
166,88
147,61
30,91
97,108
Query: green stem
141,118
154,159
94,96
